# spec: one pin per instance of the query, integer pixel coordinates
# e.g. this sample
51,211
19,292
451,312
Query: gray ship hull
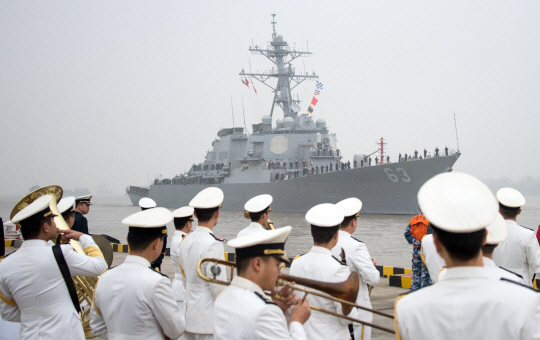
384,189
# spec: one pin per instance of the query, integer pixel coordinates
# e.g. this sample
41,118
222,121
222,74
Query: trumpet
342,292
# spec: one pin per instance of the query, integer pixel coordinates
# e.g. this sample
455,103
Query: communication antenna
243,113
455,125
381,145
232,112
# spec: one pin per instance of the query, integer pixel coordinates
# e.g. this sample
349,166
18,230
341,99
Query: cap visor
282,258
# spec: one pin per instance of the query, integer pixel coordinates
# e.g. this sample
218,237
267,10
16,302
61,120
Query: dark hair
257,216
67,214
242,263
31,227
488,249
205,215
180,222
507,212
323,235
140,238
347,221
461,246
77,203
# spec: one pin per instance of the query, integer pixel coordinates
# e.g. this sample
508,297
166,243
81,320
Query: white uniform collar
459,273
510,222
320,250
246,284
488,263
343,233
137,260
255,224
179,232
34,243
203,229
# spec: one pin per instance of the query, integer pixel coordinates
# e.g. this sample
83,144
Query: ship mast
279,53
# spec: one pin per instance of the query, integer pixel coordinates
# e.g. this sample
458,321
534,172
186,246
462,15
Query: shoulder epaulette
340,262
267,301
216,237
525,227
354,238
155,271
519,284
511,272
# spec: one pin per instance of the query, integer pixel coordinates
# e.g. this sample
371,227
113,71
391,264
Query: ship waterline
384,189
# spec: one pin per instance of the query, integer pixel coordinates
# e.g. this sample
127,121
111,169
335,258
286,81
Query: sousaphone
85,285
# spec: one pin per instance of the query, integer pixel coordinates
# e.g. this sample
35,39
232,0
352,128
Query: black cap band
509,208
261,250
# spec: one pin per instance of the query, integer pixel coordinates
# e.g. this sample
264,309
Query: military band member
66,207
32,288
82,207
200,295
356,255
520,251
147,203
132,301
183,221
243,311
471,302
319,264
258,209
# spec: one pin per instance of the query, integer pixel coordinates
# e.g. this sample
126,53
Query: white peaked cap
208,198
350,206
84,199
183,212
279,235
510,197
65,204
258,203
151,218
33,208
457,202
325,215
147,203
497,230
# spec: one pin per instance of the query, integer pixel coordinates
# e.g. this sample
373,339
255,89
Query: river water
383,234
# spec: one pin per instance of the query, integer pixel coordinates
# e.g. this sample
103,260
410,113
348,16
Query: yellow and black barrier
387,271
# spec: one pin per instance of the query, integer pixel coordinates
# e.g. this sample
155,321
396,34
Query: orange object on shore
419,226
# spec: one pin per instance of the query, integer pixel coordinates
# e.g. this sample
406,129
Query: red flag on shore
314,101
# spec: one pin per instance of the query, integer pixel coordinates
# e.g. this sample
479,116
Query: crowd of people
464,234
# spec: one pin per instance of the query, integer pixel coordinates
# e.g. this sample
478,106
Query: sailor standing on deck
520,251
200,295
132,301
356,255
32,287
82,207
471,302
147,203
258,209
319,264
243,311
183,221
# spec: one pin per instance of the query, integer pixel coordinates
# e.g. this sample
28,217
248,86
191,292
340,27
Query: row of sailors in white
472,301
32,289
511,250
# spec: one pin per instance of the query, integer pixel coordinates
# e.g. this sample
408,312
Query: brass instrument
343,292
269,224
85,286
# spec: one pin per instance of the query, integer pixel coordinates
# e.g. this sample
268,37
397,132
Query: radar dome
279,123
279,38
267,120
321,123
288,122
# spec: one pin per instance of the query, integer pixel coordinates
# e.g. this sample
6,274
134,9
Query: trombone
343,292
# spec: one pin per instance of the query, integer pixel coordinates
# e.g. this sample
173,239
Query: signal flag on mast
318,88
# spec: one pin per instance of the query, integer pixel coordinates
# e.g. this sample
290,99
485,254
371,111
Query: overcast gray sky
102,92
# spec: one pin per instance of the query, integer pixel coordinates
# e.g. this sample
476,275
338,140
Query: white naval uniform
34,292
319,264
177,284
501,272
433,261
132,301
520,252
358,260
253,227
200,294
469,303
243,312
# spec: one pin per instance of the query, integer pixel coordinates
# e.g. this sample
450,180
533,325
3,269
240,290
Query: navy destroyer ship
296,160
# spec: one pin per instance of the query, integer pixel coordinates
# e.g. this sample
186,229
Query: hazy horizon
115,93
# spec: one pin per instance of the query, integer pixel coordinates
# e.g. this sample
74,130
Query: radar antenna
279,53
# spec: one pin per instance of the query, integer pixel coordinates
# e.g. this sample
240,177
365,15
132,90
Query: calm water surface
383,234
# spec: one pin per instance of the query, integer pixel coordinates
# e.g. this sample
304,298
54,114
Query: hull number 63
399,172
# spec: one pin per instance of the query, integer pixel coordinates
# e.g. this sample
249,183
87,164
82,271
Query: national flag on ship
318,88
246,82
